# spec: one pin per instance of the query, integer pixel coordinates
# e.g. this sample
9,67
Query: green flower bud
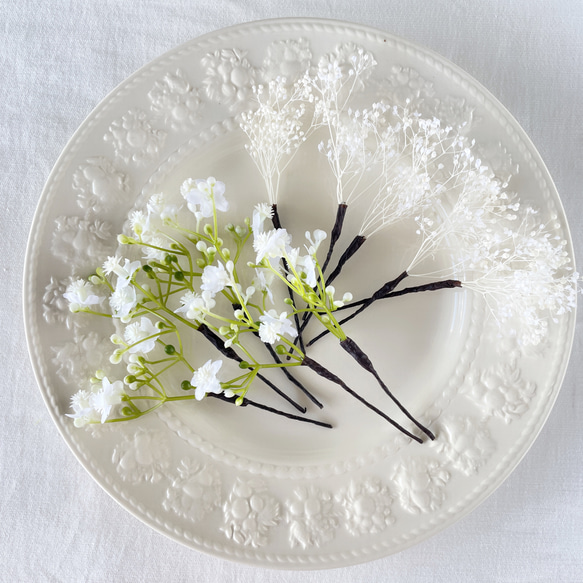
179,276
244,365
185,385
281,349
169,349
127,411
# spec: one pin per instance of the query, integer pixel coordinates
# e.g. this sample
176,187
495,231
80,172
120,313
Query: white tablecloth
59,59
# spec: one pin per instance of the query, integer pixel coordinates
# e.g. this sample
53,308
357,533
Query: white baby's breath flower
271,244
261,213
124,273
263,281
274,129
315,240
200,195
122,301
274,325
84,411
141,336
196,306
81,294
215,279
304,266
139,223
107,397
205,379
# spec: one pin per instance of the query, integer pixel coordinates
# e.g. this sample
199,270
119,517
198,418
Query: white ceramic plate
239,483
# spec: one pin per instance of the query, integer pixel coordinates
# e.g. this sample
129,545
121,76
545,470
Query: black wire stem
330,376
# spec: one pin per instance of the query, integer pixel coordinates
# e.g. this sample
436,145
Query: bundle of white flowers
190,280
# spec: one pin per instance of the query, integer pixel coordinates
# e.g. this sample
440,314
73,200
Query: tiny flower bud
185,385
169,349
201,246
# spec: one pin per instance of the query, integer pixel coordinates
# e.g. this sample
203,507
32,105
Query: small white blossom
109,395
200,194
271,244
124,273
205,379
215,279
84,411
141,336
261,213
303,265
81,294
139,223
195,306
315,240
263,281
122,301
273,325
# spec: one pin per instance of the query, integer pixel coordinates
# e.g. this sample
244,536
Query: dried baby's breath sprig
275,129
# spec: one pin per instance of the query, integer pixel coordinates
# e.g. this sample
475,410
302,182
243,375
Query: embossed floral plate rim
275,548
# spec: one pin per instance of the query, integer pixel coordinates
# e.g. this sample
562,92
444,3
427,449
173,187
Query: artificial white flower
125,273
271,244
215,279
122,301
109,395
315,240
195,306
303,265
139,223
84,411
273,325
262,281
205,379
200,194
261,213
141,336
81,294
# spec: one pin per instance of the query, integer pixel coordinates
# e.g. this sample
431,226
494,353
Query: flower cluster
250,293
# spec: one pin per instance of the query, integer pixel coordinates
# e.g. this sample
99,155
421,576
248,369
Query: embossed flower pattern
176,101
366,506
465,442
312,517
287,58
229,77
144,456
134,139
500,390
195,491
419,483
250,512
81,243
99,184
76,361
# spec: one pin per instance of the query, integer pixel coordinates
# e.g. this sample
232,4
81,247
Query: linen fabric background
58,60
